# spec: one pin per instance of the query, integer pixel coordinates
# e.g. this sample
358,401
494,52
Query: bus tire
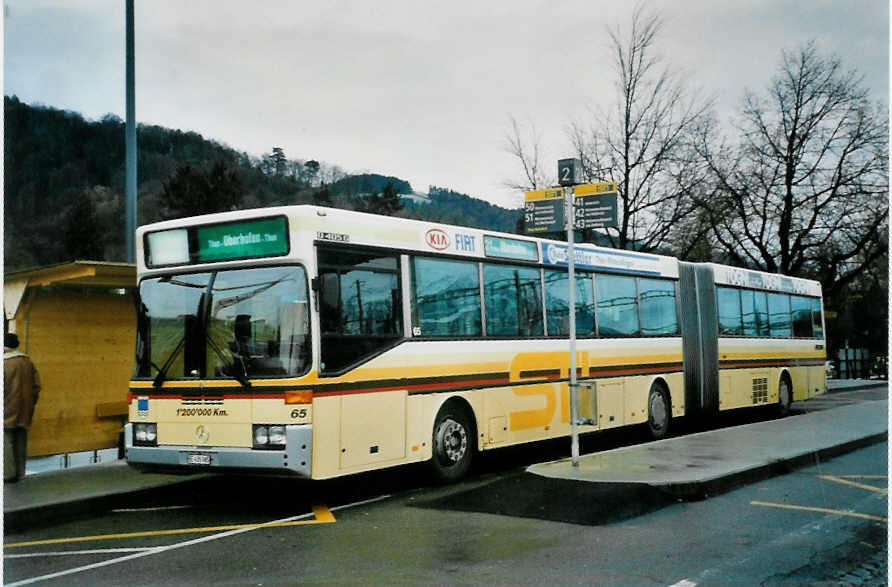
452,443
659,411
784,395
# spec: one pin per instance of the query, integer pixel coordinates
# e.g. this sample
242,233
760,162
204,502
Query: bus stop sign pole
571,303
568,174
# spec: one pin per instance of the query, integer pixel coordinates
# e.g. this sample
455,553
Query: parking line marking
844,481
322,515
177,545
820,510
158,509
78,552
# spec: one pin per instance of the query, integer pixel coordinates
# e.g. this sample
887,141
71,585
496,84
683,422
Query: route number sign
543,211
594,205
569,171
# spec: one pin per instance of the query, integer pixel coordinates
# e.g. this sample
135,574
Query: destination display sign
587,257
544,211
267,237
243,239
594,205
510,248
767,281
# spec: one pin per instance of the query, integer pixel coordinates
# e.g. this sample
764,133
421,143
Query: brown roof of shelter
84,273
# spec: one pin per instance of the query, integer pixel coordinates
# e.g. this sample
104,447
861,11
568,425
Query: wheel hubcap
784,393
452,440
657,411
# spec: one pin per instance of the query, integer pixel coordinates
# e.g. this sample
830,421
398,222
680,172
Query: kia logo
437,239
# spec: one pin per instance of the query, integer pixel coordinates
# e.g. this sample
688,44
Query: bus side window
779,315
730,321
802,320
817,323
658,310
755,313
445,297
617,306
360,310
557,303
513,301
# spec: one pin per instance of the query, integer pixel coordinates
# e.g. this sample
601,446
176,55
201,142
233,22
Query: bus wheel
452,444
784,396
659,411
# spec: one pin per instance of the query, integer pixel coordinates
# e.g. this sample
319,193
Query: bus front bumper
295,459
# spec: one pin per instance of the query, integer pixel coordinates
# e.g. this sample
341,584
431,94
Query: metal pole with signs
572,207
568,172
571,304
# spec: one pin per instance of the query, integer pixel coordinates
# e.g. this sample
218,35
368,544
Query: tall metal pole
571,302
130,139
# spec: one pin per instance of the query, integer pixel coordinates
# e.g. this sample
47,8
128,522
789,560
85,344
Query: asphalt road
824,523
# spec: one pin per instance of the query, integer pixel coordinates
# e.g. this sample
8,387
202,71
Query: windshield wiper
162,372
229,366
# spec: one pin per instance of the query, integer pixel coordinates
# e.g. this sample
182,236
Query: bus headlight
269,437
277,436
145,434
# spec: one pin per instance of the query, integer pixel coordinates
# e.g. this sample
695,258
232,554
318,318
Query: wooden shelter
77,322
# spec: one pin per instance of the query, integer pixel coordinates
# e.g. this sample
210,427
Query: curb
700,490
860,386
40,515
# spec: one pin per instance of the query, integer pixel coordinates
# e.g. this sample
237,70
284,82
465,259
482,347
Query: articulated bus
320,342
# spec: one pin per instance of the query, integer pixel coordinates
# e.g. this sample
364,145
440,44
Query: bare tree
526,150
643,141
804,189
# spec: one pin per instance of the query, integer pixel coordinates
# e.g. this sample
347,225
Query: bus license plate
197,458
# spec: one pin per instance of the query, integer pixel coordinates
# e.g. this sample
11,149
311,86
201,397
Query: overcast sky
423,90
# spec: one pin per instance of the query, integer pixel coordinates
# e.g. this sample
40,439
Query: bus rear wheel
453,447
659,411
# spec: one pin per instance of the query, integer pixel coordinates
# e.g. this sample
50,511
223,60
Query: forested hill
64,185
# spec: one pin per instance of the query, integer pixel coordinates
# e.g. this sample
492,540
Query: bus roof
319,224
310,224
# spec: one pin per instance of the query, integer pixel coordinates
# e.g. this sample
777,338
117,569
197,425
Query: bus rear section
750,339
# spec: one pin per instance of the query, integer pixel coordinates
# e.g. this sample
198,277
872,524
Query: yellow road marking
322,516
842,479
819,510
862,476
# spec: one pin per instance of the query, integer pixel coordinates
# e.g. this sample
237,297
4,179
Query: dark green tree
322,197
312,171
277,162
82,235
387,203
191,192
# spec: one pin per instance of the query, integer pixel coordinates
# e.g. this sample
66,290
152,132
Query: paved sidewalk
843,385
696,465
71,492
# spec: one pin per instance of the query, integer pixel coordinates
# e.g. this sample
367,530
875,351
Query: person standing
21,385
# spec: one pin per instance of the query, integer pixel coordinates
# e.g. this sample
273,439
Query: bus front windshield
238,323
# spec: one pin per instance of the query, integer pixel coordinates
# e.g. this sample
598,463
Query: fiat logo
437,239
202,433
